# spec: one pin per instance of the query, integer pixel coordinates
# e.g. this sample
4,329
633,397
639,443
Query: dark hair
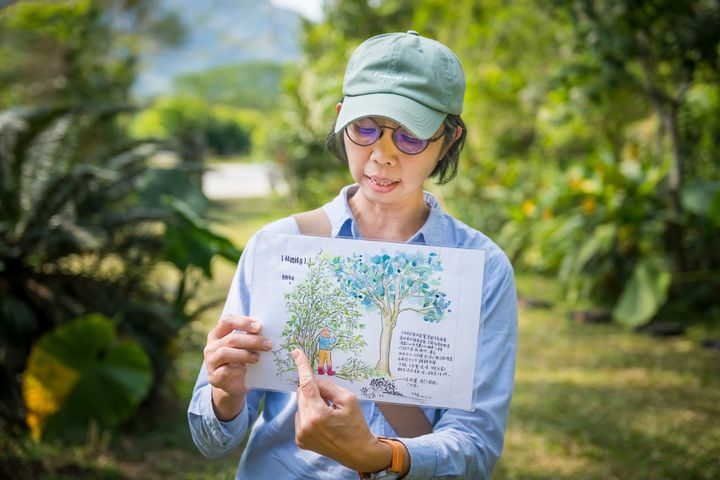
446,168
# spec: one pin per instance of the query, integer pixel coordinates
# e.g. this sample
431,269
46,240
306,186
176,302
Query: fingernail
267,344
294,354
255,325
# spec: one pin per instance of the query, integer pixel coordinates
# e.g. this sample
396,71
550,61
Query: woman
397,126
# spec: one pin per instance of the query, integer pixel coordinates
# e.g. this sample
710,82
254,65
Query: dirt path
242,180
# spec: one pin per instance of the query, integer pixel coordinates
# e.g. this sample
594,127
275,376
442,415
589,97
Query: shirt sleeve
468,444
212,436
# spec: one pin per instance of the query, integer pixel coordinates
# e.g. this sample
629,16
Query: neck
396,222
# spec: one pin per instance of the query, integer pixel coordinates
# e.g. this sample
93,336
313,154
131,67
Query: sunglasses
366,131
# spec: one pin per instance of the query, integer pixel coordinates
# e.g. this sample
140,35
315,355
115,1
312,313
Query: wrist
376,458
398,466
225,405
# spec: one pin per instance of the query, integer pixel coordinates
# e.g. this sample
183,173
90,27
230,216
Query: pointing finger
307,386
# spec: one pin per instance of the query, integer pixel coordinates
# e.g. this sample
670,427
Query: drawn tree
393,285
315,303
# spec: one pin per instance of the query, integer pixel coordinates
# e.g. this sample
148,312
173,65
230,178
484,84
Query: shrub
88,224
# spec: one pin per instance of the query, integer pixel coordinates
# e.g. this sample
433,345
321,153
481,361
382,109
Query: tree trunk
666,107
675,174
675,232
388,323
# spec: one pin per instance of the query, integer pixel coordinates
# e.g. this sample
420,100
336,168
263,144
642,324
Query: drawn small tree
315,303
393,285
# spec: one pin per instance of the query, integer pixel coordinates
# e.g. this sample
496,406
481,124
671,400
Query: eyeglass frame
392,135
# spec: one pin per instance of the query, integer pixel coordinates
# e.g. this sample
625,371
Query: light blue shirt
462,445
327,343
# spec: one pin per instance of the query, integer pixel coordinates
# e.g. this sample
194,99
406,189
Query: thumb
335,394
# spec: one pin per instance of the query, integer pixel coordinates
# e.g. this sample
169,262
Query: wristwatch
385,475
396,464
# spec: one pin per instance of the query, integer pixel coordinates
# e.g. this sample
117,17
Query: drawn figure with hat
326,342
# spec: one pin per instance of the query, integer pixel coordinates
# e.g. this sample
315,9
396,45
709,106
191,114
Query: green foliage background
593,143
593,156
91,222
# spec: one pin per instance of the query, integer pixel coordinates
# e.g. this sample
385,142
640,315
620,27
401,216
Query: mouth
380,181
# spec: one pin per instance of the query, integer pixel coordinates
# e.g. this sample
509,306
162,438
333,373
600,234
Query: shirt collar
343,223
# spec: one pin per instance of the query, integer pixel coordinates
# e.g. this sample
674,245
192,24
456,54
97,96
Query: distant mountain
221,32
251,84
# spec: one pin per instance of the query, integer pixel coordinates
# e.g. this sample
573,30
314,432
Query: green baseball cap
412,80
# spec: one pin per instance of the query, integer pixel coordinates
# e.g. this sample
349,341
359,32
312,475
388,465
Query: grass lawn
596,402
591,401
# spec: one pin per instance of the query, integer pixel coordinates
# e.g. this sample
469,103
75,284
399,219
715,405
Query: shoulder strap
314,222
407,421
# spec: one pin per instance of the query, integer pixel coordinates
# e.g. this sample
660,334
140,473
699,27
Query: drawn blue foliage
410,278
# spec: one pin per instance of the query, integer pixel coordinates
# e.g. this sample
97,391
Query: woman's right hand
231,345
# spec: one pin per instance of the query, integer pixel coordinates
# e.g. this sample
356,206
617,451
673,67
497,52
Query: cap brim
422,121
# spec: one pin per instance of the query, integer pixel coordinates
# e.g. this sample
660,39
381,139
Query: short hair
445,170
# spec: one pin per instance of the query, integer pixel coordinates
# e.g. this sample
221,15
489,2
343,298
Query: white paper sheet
428,297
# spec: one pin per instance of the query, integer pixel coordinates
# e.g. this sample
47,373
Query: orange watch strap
397,461
397,454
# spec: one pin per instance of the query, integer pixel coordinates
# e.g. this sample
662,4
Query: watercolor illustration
325,307
391,285
381,319
322,318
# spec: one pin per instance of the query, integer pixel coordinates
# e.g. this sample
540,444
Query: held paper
392,322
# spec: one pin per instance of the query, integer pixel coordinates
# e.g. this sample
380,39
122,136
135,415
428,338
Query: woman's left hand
329,422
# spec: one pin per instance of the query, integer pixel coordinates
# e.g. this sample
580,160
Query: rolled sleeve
423,458
213,437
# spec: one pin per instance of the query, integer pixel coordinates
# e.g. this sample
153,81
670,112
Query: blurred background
143,142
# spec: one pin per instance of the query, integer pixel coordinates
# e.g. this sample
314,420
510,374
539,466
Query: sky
311,9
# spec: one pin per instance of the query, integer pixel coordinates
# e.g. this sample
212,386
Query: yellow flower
575,184
528,208
40,402
588,205
46,384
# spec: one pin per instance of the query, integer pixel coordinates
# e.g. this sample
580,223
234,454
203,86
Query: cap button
413,32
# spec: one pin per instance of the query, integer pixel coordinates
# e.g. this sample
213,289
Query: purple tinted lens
408,143
363,132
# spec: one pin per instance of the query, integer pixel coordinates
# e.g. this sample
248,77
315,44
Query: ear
338,107
455,136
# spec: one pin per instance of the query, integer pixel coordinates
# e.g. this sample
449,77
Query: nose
384,150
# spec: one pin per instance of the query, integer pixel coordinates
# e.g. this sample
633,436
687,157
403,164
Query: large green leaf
192,241
80,372
702,198
643,295
597,243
